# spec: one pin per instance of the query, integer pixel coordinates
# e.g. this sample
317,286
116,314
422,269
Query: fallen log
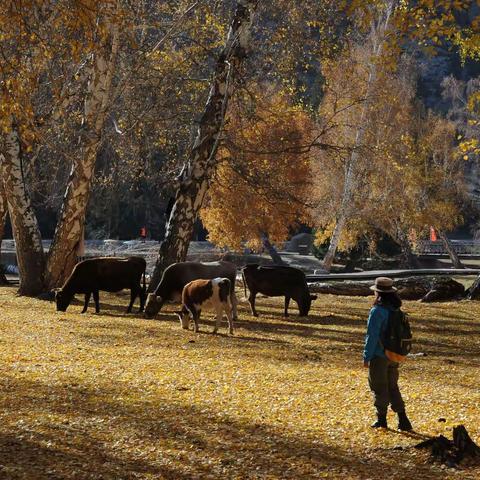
452,452
427,289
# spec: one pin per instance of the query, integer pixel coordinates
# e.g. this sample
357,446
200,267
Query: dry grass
112,396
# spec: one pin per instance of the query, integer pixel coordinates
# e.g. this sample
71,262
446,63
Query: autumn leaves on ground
112,396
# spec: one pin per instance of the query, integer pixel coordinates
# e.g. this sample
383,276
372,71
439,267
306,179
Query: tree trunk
3,219
277,259
334,241
451,251
63,252
196,174
410,258
28,242
349,182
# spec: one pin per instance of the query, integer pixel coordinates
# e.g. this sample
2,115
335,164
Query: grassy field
112,396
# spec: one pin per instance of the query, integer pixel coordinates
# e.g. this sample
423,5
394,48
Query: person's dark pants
383,381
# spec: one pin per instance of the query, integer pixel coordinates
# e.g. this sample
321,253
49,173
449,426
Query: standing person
382,372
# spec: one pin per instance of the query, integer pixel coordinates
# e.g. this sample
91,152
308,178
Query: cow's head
153,305
184,316
62,299
305,304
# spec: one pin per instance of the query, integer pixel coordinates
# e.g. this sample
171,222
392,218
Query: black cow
109,274
277,281
177,275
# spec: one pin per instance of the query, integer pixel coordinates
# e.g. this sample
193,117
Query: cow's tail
244,283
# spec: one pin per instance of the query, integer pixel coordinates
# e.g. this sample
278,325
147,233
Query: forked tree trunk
68,234
349,181
410,258
28,242
3,219
450,250
197,172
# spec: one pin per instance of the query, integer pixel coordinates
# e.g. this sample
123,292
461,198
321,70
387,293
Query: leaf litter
115,396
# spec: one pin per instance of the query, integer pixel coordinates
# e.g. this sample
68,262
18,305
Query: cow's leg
196,317
218,318
228,313
287,303
251,299
87,300
233,299
143,297
96,298
133,296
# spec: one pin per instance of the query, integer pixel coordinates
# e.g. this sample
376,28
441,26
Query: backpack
397,340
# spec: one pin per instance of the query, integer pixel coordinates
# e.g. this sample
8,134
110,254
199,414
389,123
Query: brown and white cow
177,275
206,294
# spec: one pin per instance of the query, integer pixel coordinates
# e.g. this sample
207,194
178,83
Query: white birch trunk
377,33
28,242
3,219
197,172
68,234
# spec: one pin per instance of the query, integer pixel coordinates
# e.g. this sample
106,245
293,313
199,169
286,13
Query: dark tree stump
449,452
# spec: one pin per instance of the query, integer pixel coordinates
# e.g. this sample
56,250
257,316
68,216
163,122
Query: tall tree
69,232
196,174
3,219
379,27
28,242
263,180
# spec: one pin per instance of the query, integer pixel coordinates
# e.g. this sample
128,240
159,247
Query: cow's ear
313,297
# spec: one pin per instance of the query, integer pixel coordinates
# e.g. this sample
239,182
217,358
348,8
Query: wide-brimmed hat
384,285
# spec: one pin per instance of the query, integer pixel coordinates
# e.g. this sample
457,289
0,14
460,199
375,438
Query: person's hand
365,363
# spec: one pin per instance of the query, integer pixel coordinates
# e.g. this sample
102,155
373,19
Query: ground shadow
187,441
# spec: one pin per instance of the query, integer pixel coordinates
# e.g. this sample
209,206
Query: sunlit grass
115,396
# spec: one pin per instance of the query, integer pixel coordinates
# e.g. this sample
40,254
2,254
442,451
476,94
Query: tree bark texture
28,241
409,257
451,251
197,172
272,251
68,234
351,167
3,219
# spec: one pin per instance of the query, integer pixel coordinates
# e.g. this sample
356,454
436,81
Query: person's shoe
403,422
381,422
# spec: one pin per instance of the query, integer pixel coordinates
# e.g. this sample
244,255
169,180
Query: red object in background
143,232
433,235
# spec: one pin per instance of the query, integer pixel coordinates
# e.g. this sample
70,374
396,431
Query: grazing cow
213,294
277,281
109,274
177,275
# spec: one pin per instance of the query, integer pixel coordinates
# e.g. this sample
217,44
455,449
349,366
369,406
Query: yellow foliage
263,178
111,396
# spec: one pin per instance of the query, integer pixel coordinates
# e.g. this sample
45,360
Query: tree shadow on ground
107,437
